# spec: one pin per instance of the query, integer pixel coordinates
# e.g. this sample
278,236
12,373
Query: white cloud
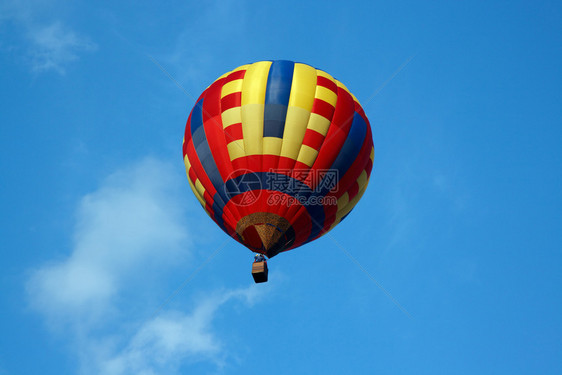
163,343
132,220
49,44
134,224
55,46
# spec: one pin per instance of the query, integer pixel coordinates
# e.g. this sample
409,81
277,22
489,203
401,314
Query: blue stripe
202,148
349,151
197,116
205,156
344,160
277,93
218,207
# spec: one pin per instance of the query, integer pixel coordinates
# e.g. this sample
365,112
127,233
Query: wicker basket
259,271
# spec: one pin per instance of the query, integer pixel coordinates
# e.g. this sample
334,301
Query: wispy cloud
49,44
54,46
131,221
165,342
132,225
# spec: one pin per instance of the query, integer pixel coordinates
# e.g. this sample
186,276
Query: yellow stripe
372,154
326,95
344,205
199,187
343,201
301,99
231,116
307,155
272,145
322,73
353,202
344,211
252,128
255,82
362,179
342,86
253,99
303,87
319,123
295,127
236,149
198,194
231,87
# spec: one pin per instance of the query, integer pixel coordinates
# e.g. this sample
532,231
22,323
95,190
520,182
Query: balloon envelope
277,153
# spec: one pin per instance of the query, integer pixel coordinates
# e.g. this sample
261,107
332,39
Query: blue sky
461,223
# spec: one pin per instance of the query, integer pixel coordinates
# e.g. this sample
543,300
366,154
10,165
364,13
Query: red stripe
269,163
323,108
192,175
209,205
337,132
353,190
330,213
302,225
233,132
209,210
231,101
369,167
239,166
212,123
300,166
327,83
187,134
313,139
234,76
229,220
209,200
360,110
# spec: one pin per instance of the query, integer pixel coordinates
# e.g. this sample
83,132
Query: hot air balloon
277,153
